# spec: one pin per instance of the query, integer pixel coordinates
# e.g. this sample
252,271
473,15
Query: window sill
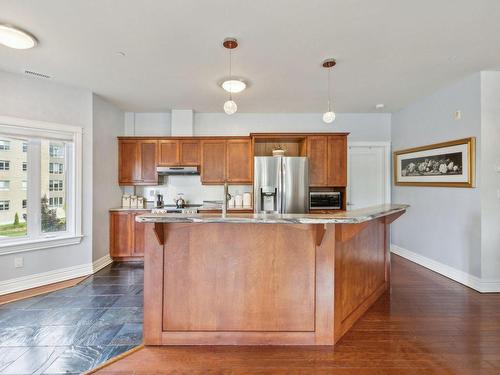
39,244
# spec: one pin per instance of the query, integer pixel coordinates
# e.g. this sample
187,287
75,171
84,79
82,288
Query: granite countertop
344,217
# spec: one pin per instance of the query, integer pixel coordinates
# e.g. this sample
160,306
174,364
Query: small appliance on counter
325,200
159,201
179,201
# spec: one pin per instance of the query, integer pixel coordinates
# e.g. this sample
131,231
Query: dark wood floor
427,324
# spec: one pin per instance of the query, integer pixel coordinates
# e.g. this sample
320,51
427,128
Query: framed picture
447,164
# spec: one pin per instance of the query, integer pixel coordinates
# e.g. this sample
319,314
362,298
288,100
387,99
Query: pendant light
329,116
230,106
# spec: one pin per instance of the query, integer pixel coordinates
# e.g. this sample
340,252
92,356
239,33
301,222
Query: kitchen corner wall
107,123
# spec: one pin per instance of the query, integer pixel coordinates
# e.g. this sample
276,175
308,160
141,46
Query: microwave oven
325,200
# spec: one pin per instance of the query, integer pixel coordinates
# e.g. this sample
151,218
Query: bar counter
257,279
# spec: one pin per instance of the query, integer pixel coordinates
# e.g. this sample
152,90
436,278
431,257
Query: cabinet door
128,162
337,160
148,161
139,233
169,152
239,161
120,234
317,151
213,161
189,152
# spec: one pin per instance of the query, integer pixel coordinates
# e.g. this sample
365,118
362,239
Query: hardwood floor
427,324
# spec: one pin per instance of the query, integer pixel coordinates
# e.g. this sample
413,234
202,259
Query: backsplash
194,192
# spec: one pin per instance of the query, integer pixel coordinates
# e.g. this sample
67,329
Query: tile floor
74,329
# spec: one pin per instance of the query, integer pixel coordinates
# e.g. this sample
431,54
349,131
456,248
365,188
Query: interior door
368,176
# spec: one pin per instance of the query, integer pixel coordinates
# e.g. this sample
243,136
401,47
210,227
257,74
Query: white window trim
17,126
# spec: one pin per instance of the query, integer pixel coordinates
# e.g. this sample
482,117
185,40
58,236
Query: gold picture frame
445,164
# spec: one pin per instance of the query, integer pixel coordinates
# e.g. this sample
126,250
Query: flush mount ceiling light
16,38
230,106
329,116
234,86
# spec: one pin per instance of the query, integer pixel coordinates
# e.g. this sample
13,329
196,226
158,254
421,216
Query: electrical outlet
19,262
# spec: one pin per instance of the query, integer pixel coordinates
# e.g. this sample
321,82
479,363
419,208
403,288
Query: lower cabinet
126,236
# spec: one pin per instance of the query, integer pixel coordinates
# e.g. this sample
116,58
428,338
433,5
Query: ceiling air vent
36,74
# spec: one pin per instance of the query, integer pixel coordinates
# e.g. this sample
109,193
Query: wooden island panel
243,285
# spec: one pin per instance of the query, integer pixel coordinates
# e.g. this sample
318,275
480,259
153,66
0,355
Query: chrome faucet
225,199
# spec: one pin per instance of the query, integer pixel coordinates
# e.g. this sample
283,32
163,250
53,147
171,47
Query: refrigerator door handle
279,200
283,187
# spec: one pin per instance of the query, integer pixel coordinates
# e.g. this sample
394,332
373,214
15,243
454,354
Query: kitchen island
263,279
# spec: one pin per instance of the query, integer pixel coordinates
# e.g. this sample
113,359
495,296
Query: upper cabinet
239,161
337,160
137,159
168,152
327,160
317,150
213,161
173,152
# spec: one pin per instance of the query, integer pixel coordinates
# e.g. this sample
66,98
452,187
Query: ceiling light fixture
230,106
379,106
16,38
329,116
234,86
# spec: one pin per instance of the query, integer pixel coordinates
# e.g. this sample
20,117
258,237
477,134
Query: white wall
363,127
38,99
107,125
490,177
443,224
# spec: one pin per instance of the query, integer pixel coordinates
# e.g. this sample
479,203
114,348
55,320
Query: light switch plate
19,262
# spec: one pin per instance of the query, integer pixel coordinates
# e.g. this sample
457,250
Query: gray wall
107,125
490,177
38,99
443,224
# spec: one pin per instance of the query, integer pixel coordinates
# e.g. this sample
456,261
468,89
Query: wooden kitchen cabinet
317,151
239,161
126,236
137,161
213,161
337,160
327,160
169,154
189,150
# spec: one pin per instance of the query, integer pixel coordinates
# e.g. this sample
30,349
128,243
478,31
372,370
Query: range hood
177,171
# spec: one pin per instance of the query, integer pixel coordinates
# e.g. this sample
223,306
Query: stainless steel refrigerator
281,184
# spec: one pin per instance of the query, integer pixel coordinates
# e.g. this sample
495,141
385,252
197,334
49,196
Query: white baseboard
476,283
32,281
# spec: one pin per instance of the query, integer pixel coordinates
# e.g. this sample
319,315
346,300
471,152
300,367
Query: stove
173,210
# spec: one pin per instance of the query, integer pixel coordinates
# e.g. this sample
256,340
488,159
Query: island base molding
261,284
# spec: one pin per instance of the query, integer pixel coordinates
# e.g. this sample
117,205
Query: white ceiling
388,51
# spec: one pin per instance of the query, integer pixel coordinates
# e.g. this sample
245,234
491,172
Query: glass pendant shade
328,117
230,107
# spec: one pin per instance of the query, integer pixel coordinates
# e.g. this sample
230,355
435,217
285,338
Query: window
4,145
4,184
52,155
4,165
55,201
56,151
56,168
56,185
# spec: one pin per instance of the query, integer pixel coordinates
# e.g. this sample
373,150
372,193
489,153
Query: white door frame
387,167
